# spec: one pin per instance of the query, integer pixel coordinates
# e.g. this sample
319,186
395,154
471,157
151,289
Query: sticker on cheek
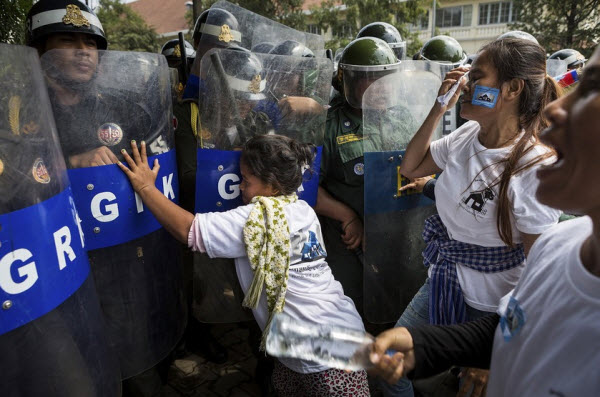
485,96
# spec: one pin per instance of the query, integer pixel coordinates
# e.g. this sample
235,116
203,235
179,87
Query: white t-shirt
557,351
467,203
312,296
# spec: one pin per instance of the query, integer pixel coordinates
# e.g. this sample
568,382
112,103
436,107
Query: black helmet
364,59
443,49
245,74
573,58
219,26
387,33
518,34
292,48
62,16
172,52
263,48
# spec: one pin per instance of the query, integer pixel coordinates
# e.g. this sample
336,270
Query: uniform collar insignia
75,17
177,51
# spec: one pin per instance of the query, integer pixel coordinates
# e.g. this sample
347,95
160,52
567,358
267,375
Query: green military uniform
342,170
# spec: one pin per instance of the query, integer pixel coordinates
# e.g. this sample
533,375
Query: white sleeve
531,216
439,150
223,232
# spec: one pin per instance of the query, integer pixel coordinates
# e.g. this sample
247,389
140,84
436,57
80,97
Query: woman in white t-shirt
277,244
485,196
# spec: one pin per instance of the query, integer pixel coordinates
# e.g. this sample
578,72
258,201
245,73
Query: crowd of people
235,178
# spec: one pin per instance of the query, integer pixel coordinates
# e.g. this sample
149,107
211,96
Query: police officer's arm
417,161
351,224
93,158
175,219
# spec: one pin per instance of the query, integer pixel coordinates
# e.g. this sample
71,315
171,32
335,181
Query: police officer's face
569,184
252,186
79,62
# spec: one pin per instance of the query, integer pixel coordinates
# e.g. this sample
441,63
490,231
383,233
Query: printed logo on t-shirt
313,249
475,201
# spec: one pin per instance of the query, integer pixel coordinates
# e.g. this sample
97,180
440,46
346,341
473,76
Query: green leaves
125,29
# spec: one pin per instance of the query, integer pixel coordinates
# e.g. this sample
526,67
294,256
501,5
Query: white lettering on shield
229,187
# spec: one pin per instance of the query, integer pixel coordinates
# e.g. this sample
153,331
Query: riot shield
556,67
249,94
52,336
102,100
254,29
394,108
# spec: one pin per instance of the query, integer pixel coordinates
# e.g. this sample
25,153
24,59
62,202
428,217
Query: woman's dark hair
521,59
278,161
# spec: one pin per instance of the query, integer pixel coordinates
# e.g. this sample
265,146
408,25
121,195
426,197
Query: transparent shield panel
556,67
254,94
394,107
52,336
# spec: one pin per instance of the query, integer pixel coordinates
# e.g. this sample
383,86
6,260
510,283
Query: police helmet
292,48
363,61
443,49
245,74
518,34
219,27
172,51
573,58
263,48
387,33
47,17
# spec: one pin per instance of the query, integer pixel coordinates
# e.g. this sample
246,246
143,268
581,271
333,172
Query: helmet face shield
399,49
358,78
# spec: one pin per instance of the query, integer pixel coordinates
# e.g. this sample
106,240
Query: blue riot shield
102,100
249,94
394,108
52,336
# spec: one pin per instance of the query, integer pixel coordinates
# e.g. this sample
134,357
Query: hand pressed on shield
476,379
139,172
93,158
417,184
299,106
403,361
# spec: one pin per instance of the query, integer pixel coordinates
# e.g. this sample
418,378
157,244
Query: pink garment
195,241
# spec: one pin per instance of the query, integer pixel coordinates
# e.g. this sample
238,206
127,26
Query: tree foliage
125,29
561,24
287,12
12,20
359,13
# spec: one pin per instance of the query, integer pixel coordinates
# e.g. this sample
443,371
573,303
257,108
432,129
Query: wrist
146,191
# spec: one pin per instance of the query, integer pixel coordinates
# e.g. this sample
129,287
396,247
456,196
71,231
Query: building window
313,28
345,31
450,17
501,12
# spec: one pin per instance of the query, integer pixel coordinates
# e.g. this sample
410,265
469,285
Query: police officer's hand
476,379
93,158
139,172
299,106
451,78
352,233
392,368
417,184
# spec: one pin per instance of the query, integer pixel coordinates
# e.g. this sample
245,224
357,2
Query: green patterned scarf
267,239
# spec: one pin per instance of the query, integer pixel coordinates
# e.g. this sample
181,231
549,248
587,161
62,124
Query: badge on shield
110,134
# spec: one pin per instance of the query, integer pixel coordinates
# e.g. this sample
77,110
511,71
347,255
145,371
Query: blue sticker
218,179
110,211
42,259
513,319
485,96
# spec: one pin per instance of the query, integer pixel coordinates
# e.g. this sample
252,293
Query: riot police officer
138,280
388,33
443,49
573,58
340,202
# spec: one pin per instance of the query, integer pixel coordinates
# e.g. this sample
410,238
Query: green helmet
443,49
387,33
363,61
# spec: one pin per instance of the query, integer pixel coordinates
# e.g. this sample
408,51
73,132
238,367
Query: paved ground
193,376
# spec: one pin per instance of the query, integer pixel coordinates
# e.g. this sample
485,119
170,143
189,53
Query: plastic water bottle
335,347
